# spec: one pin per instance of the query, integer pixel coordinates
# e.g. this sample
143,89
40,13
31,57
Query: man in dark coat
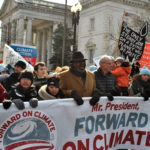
106,83
41,75
22,92
13,78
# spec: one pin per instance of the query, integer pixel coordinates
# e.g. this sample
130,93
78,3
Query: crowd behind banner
113,77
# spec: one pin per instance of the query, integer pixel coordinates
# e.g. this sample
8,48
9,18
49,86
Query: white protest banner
11,57
62,125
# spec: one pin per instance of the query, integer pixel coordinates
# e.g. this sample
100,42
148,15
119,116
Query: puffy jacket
122,76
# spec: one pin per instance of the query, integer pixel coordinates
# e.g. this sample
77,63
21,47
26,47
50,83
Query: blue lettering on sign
102,122
25,50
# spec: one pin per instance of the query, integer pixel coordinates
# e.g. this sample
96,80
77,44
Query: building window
92,23
91,55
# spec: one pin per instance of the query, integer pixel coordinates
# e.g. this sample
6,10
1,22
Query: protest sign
131,43
11,57
29,53
145,59
62,125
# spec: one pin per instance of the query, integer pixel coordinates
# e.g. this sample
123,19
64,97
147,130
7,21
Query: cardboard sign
131,43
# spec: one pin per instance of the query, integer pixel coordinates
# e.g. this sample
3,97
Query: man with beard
77,82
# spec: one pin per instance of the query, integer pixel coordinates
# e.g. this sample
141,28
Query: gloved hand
146,97
95,98
77,98
7,104
116,91
33,102
18,103
109,96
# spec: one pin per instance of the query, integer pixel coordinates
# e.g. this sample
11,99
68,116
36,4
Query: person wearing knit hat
22,92
19,67
119,61
144,71
20,64
141,84
51,90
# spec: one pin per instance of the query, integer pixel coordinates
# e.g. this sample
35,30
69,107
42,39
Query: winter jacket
45,95
122,76
18,92
2,93
69,82
10,81
140,87
105,83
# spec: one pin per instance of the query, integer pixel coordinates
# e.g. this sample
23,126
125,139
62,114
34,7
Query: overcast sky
69,2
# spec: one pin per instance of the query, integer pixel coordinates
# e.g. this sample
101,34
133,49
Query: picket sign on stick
11,57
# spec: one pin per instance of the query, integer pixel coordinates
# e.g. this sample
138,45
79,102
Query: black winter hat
21,64
53,81
77,56
27,74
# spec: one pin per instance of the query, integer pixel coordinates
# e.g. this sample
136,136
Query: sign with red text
62,125
145,59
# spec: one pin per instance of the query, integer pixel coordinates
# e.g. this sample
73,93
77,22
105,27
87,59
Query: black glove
146,97
18,103
77,98
7,104
116,91
109,96
33,102
95,98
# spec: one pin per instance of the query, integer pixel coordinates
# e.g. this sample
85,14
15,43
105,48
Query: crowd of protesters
114,77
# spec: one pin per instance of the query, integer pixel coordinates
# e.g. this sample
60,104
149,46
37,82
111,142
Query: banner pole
117,47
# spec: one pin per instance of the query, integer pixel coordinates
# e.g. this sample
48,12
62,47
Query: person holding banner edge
22,92
106,83
77,82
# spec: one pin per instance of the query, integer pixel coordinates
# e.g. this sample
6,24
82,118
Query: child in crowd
51,90
122,73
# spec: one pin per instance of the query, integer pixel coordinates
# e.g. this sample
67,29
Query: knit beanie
53,81
119,59
27,74
21,64
3,68
144,71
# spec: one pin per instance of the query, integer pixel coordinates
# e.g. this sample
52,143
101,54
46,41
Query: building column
44,46
3,36
39,44
49,48
29,32
13,32
20,29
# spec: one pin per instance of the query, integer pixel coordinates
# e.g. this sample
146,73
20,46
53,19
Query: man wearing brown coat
77,82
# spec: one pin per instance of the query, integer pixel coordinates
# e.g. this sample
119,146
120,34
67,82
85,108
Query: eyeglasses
107,63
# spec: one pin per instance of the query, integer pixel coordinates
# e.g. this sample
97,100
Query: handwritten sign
131,43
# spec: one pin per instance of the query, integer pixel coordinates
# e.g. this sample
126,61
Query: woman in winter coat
51,90
141,84
122,73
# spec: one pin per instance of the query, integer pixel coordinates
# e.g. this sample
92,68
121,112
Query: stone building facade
31,22
100,24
